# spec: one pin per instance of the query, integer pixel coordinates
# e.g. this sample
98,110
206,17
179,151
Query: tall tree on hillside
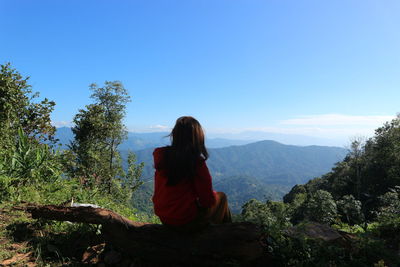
98,131
356,154
113,98
18,108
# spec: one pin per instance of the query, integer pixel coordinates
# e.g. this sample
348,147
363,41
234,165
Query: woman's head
187,148
187,134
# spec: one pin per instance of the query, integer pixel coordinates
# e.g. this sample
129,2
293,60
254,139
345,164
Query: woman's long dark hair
186,150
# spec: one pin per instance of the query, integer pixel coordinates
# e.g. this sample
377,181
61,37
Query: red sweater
176,205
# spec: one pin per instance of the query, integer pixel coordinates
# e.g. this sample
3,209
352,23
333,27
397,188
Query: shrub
273,216
320,207
350,209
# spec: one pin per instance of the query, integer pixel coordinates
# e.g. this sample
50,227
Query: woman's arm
203,186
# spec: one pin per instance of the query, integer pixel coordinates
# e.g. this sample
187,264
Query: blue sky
329,69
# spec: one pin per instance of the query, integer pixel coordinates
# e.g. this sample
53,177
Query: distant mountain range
288,139
139,141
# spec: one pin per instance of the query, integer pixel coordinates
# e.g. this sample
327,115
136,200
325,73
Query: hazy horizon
255,136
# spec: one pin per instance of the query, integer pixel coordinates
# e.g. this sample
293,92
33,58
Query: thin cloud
59,124
318,131
338,119
148,129
159,127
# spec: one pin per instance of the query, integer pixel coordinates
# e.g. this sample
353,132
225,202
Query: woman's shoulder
159,157
160,149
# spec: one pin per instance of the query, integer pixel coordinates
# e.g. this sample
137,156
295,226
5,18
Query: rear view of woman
183,194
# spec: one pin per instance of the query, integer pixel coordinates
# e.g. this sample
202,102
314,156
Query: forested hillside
360,195
274,163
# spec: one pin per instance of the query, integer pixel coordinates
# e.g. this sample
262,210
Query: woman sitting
184,198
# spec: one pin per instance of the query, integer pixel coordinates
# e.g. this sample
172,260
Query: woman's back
178,204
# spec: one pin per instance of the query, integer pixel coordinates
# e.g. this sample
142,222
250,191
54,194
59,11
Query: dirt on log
240,243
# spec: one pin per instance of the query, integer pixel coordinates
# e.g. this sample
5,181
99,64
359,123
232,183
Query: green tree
296,190
356,155
320,207
350,209
130,181
98,131
19,109
88,149
389,205
113,98
382,153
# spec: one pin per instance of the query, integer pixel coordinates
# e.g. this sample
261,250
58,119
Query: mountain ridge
266,160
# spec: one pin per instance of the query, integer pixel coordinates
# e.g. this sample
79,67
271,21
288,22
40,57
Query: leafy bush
31,162
389,205
273,216
320,207
350,209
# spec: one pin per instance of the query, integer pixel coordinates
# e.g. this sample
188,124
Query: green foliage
296,190
302,251
129,183
6,189
365,186
31,162
98,131
389,205
354,229
240,189
132,177
24,124
350,209
256,212
320,207
65,191
89,146
27,163
273,216
389,230
141,198
369,173
378,245
32,171
18,109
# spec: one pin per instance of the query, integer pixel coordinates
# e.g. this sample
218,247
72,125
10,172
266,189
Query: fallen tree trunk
215,245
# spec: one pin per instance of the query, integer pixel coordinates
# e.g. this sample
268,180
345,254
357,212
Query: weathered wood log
241,243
